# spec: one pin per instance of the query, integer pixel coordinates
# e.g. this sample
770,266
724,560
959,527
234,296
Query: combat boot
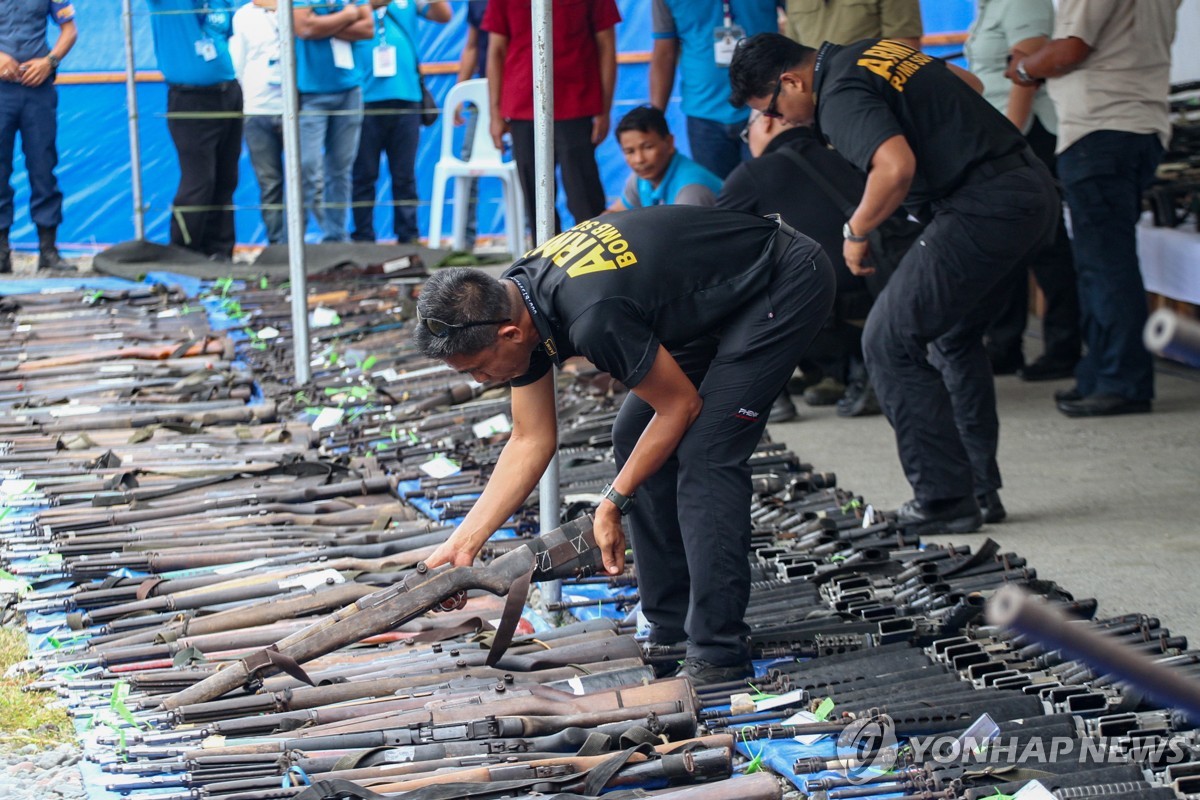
48,256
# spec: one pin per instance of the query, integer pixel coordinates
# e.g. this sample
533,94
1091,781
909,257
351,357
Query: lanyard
727,12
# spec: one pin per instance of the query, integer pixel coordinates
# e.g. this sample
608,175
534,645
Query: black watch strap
623,502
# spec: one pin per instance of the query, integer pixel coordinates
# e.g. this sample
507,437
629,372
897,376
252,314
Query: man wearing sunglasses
703,314
930,142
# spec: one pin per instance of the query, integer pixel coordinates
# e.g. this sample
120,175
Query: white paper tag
403,262
576,684
389,375
343,54
268,333
206,49
328,418
73,411
802,718
440,467
399,755
11,487
383,61
491,426
241,566
787,699
1033,791
322,317
311,580
725,40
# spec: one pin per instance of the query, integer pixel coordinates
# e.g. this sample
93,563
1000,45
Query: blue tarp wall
93,139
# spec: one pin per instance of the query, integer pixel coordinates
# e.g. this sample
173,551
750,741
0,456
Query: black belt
998,166
211,88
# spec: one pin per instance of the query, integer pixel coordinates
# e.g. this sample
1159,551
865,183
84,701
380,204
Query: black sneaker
859,401
991,507
782,410
702,673
950,516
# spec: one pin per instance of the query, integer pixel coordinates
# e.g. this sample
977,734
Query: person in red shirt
585,71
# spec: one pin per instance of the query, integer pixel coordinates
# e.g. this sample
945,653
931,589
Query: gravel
34,772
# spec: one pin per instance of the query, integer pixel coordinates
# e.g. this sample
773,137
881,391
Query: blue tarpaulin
93,139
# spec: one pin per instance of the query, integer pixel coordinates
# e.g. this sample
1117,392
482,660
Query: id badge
383,60
343,54
725,40
206,49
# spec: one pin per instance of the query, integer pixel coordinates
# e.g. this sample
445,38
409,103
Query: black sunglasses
442,329
770,112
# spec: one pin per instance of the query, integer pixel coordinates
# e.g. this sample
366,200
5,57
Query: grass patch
32,713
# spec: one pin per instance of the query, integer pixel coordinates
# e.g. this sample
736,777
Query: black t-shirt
872,90
612,289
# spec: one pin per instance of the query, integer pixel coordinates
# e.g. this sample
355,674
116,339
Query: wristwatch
623,502
54,61
850,236
1022,74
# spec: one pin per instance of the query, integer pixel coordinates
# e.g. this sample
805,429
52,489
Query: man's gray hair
458,295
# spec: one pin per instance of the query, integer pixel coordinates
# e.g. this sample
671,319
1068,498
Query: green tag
369,362
392,433
55,643
852,505
117,704
4,512
824,709
262,282
759,694
755,764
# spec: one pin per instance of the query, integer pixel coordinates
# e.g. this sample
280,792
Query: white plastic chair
485,162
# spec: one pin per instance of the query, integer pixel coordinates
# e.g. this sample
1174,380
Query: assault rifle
561,553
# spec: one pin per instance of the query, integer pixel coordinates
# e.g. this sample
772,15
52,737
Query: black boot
5,253
48,255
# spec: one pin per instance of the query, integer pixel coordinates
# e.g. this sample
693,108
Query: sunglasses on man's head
441,329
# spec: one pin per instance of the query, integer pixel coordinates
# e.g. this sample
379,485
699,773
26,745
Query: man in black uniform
702,313
928,140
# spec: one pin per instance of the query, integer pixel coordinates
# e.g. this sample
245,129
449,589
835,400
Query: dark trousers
1054,270
264,141
397,135
208,150
33,111
717,146
690,527
1103,176
576,160
923,340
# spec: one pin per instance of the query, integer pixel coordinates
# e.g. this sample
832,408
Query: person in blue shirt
661,175
193,53
29,104
699,38
392,124
330,105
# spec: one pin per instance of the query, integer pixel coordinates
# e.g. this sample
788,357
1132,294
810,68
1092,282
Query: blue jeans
34,112
328,145
717,146
264,140
1103,176
394,129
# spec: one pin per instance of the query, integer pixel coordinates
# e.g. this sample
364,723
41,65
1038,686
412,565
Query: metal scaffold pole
294,196
543,166
131,105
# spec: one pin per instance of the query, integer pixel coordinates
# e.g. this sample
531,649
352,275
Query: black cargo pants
690,527
923,341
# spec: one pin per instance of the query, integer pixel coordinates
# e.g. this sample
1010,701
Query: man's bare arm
676,405
361,29
664,57
1057,58
530,447
311,25
497,52
893,166
606,55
